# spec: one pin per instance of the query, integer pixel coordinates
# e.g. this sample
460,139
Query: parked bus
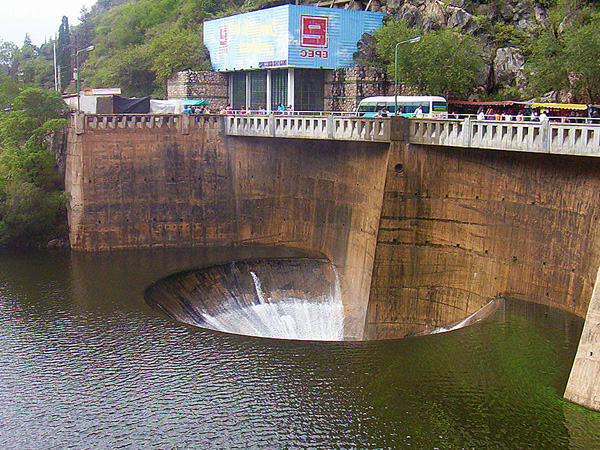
432,106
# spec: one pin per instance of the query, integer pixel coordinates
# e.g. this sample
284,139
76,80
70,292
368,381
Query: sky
40,18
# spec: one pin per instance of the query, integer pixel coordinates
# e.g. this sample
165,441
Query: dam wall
163,182
422,235
460,226
441,229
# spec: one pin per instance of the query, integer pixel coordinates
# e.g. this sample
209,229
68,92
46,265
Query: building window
309,87
278,88
258,89
238,89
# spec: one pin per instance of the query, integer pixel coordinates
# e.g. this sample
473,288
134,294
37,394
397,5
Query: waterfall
301,318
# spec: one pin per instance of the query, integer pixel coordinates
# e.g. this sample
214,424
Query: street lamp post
89,48
408,41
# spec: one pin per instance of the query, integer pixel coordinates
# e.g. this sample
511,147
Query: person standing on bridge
481,114
382,113
419,112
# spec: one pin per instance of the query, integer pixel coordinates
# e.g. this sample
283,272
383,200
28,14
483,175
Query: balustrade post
184,123
79,122
545,136
330,127
271,120
467,132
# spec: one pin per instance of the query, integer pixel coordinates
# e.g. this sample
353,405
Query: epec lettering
314,31
314,53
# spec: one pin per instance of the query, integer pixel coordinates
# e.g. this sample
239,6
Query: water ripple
85,364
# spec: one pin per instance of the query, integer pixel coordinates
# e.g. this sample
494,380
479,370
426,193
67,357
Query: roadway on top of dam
581,139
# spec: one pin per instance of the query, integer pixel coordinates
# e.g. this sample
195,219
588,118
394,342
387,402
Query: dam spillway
287,298
278,298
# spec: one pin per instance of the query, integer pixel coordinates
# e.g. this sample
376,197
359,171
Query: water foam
316,319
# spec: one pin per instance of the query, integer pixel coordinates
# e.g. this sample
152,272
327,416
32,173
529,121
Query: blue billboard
288,36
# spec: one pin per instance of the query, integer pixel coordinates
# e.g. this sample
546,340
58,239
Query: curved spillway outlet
276,298
289,298
483,313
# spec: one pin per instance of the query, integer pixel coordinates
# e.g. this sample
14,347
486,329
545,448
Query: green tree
29,215
26,57
32,205
547,65
63,53
140,45
448,63
40,104
128,68
8,55
582,49
9,88
441,63
175,50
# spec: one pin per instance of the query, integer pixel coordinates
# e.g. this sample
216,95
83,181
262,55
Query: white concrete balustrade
539,137
310,127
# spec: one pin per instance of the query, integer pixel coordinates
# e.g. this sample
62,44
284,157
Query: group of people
229,110
535,116
520,116
385,113
196,110
261,110
281,108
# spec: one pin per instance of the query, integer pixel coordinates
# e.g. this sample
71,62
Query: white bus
432,106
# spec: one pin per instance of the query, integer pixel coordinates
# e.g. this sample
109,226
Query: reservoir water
85,363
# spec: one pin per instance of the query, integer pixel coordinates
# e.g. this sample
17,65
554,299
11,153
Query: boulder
507,11
355,6
435,12
375,6
461,20
411,14
508,65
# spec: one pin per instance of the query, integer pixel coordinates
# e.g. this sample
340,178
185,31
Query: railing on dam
175,122
541,137
351,128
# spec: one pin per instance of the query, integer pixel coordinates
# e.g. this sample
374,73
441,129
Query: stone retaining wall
207,85
345,88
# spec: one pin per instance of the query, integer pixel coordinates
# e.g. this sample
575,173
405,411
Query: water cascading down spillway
276,298
288,298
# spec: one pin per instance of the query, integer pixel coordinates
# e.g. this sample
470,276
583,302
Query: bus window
440,106
366,108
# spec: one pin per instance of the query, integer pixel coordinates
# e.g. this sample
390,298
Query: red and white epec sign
314,31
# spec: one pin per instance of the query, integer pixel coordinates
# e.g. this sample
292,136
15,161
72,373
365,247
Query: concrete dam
424,221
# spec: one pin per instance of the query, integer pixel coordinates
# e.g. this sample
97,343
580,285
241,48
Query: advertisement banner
288,36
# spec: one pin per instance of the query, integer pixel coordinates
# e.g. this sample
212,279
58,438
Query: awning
569,106
462,102
195,103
